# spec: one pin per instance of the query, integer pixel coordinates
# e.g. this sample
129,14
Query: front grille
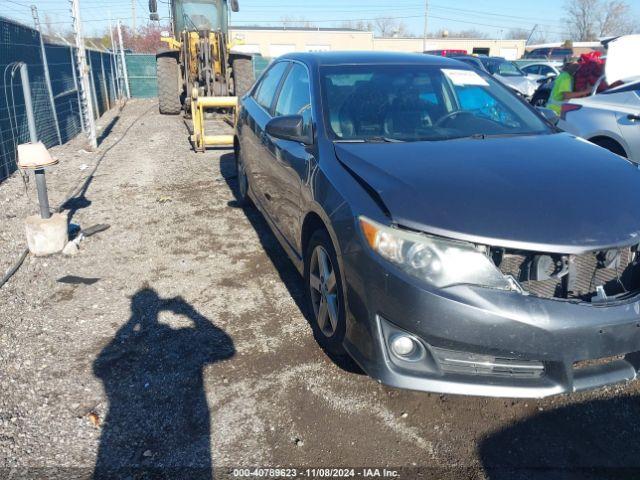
580,281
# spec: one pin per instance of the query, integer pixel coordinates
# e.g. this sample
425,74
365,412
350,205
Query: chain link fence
19,43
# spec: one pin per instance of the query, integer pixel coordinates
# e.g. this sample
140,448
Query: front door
290,161
256,147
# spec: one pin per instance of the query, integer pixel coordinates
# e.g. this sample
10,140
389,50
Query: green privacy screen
141,69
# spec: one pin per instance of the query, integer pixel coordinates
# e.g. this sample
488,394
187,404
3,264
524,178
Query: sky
492,17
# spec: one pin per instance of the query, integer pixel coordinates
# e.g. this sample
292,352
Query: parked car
445,53
471,60
450,239
550,53
610,119
541,69
523,62
509,74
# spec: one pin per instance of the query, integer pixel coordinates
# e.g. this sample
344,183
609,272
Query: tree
517,34
146,38
365,26
390,27
615,19
469,33
587,20
293,21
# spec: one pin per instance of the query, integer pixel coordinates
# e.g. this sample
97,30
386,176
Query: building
273,41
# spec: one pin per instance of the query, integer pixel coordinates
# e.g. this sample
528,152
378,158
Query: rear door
257,111
291,161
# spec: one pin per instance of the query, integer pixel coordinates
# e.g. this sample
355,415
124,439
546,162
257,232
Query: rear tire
243,75
168,86
324,293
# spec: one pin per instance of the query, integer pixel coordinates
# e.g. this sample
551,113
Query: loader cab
200,15
197,15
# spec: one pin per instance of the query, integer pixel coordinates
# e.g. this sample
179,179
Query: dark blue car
450,238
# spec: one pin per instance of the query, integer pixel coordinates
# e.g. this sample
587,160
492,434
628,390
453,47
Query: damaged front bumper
479,341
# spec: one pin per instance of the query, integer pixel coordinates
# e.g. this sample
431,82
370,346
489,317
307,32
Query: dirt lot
185,346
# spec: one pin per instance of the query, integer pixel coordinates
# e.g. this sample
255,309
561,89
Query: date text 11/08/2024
315,473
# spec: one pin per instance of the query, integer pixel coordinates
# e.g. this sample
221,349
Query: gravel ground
186,346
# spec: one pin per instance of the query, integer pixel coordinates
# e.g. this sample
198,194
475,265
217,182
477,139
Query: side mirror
153,10
289,127
549,115
234,6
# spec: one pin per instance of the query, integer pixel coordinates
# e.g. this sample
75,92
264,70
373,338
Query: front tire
168,86
243,75
324,292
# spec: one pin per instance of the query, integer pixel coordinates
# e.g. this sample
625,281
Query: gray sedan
449,237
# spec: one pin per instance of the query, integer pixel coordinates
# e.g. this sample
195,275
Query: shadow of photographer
158,423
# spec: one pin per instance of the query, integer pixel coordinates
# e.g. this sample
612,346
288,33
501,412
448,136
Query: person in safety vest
563,87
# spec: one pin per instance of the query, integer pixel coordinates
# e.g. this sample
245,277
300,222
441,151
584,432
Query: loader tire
243,76
168,86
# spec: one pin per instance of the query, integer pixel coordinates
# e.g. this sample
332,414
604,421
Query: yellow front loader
199,58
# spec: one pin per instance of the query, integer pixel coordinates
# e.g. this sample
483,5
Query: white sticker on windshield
464,77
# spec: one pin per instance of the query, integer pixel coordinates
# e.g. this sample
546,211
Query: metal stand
43,197
41,183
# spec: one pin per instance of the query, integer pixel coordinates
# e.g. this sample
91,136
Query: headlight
437,261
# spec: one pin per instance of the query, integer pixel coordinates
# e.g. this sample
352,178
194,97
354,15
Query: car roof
368,57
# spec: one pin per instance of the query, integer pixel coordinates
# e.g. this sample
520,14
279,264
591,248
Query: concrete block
46,236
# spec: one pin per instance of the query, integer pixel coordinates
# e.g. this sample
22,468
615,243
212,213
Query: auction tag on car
464,77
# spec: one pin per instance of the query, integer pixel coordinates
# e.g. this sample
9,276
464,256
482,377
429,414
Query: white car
610,119
509,74
541,69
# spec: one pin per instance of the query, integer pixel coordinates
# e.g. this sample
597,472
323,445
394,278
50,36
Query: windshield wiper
369,140
380,139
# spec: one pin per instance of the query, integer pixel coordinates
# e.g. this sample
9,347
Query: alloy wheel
324,292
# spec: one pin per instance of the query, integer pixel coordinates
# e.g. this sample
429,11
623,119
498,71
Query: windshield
420,102
197,15
505,69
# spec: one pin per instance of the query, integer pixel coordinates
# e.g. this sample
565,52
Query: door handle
633,117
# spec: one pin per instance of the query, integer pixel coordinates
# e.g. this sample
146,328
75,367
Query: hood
523,84
549,193
622,58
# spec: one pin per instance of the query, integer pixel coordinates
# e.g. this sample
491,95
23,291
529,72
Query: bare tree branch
587,20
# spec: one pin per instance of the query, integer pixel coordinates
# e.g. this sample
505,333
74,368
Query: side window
269,84
295,98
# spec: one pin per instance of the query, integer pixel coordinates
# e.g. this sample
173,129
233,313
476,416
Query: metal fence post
113,79
92,82
83,126
104,80
124,62
87,107
45,66
114,60
41,182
